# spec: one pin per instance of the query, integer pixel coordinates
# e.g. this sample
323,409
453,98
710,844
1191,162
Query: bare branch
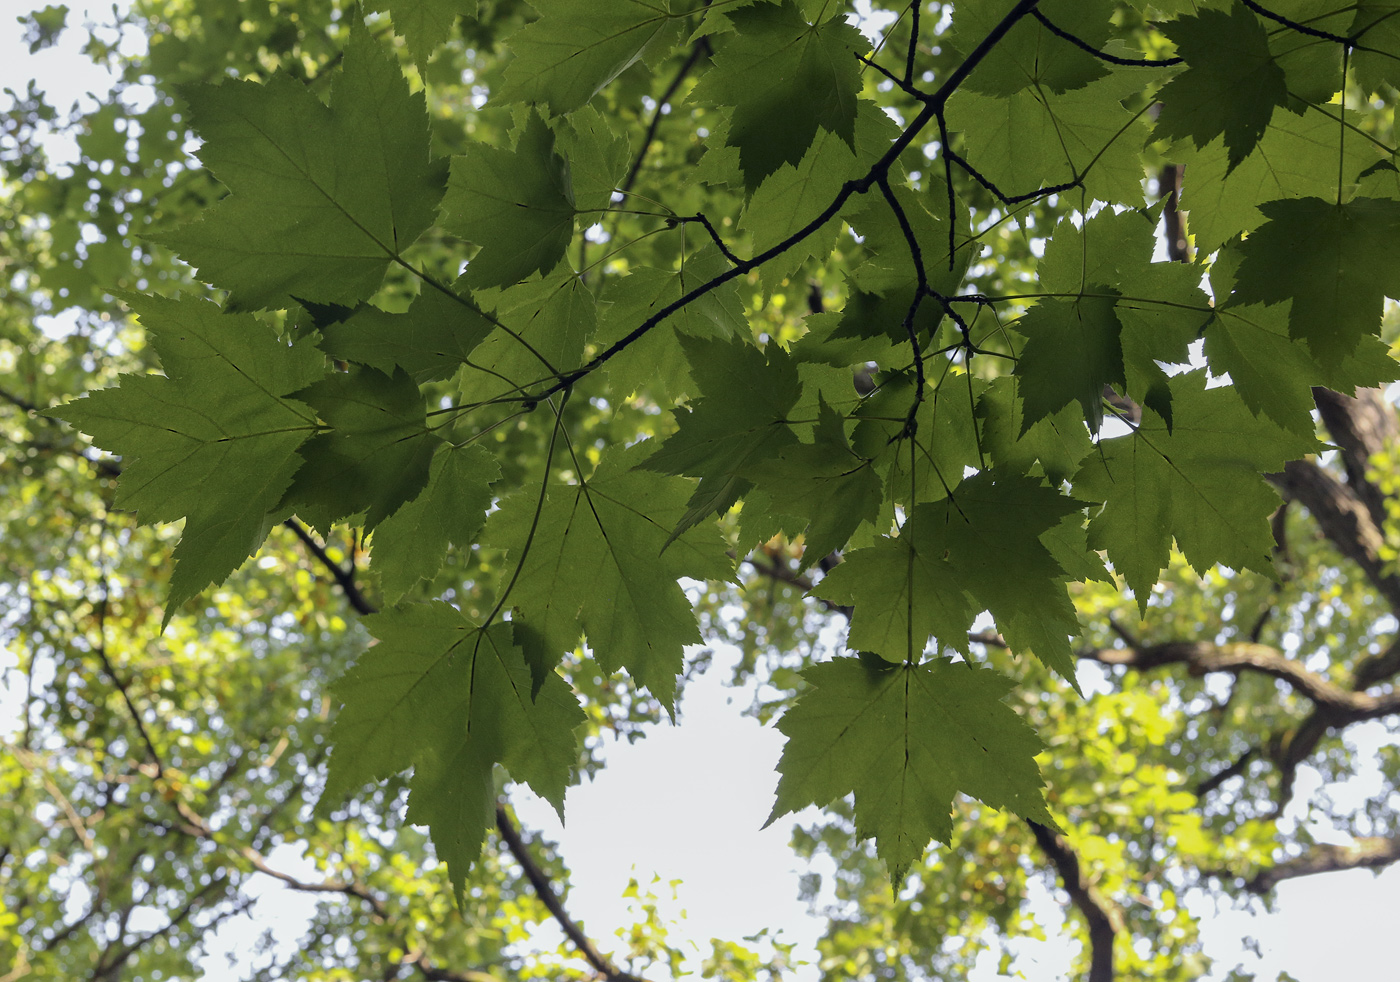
345,578
545,891
1360,426
785,574
101,647
698,50
18,401
1300,28
1375,852
1343,706
1240,765
1083,45
1104,918
1343,517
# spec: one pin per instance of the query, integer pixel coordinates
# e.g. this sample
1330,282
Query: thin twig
916,253
1083,45
913,43
878,170
18,401
714,235
545,890
345,578
907,88
1300,28
100,608
698,50
1104,919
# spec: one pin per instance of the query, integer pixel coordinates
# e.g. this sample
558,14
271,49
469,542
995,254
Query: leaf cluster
951,450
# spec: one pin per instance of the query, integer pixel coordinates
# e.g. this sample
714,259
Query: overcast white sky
688,802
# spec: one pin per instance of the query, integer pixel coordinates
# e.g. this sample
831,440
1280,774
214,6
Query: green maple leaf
410,544
1164,316
785,78
945,441
1124,339
1037,138
214,441
1376,59
980,548
1073,349
429,341
906,740
376,454
1274,373
903,593
1030,54
1199,482
1312,66
591,562
322,198
518,205
1057,442
793,195
598,158
990,530
739,419
567,56
451,700
655,362
425,24
1296,158
1230,86
544,325
829,488
1338,283
1108,248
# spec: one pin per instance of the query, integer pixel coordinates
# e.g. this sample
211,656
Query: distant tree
1011,337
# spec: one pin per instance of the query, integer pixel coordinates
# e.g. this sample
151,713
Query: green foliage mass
881,323
323,199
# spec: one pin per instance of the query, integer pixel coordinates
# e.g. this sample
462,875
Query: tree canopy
487,357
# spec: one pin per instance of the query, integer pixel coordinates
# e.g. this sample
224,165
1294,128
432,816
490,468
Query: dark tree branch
916,255
1240,765
1290,748
698,50
545,891
1344,518
1361,427
1343,706
18,401
1376,852
1104,919
116,957
1083,45
783,573
1007,199
1378,667
359,891
433,973
100,608
914,9
705,222
1300,28
904,86
345,578
877,172
1169,191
